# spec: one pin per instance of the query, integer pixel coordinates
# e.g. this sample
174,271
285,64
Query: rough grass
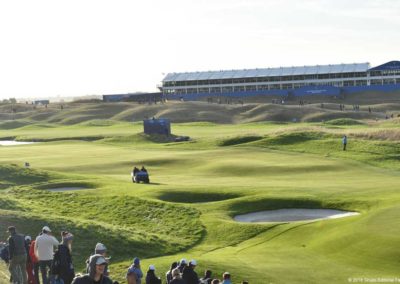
344,121
239,140
293,165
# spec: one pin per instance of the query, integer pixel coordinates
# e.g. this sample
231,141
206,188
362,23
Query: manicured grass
198,186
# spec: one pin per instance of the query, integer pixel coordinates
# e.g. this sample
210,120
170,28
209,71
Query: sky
94,47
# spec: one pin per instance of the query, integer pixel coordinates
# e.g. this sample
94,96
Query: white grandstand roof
267,72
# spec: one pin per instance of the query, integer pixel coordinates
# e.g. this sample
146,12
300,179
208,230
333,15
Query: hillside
178,112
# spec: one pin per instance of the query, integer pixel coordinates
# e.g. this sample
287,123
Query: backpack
5,254
56,263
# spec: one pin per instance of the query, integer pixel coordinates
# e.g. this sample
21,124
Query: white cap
193,262
152,267
183,260
100,246
47,229
101,260
28,238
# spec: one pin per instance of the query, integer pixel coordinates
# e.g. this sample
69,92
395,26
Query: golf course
240,159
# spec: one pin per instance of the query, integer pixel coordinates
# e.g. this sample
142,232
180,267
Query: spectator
189,275
207,277
182,265
44,249
168,275
17,255
34,261
226,278
176,277
97,263
215,281
29,264
102,250
151,277
134,274
344,142
62,265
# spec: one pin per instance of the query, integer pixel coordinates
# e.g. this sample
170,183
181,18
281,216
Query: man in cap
44,250
97,263
18,258
189,275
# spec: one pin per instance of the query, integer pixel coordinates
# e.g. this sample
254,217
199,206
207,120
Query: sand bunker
293,215
61,189
13,143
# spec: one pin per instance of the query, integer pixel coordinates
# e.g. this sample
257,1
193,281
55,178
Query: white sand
61,189
13,143
293,215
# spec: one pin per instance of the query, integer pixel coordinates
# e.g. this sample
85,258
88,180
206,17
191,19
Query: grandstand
333,80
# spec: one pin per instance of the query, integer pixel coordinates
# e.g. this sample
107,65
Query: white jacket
44,247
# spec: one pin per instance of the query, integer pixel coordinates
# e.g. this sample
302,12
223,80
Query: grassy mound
12,124
239,140
198,197
15,175
143,217
344,121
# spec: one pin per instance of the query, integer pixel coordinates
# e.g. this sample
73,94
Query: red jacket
34,259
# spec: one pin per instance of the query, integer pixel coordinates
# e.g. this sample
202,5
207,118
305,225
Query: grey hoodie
89,278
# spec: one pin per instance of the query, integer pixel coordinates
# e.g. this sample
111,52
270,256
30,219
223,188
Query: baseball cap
28,238
101,260
100,247
47,229
152,267
183,261
136,261
193,262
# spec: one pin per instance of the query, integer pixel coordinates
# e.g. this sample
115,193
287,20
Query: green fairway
197,187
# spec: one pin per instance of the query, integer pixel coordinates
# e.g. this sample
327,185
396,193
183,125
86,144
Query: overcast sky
55,47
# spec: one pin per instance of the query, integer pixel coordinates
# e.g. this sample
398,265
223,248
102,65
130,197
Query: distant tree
12,100
5,101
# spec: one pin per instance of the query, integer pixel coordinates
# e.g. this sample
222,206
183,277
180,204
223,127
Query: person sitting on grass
97,263
151,277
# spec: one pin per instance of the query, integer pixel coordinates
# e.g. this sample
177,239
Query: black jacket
177,281
190,276
16,245
151,278
66,270
86,279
